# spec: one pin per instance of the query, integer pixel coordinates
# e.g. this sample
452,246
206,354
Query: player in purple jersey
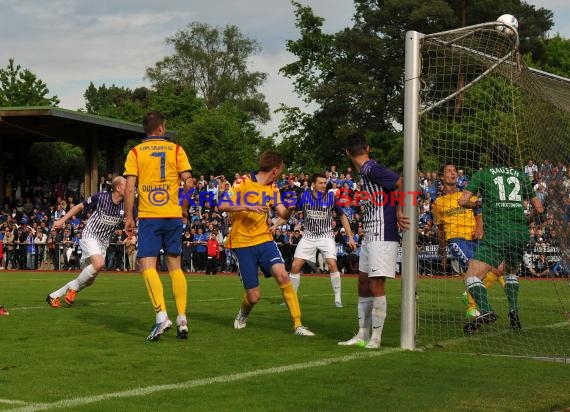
383,216
108,212
318,210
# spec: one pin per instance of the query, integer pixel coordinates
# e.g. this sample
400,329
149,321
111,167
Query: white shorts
378,258
90,247
307,248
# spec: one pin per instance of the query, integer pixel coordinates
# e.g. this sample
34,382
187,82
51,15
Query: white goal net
475,95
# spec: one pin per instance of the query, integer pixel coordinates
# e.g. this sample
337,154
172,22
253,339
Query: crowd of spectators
28,242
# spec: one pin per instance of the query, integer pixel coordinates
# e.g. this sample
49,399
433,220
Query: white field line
149,390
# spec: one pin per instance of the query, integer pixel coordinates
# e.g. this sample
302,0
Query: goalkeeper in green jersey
503,190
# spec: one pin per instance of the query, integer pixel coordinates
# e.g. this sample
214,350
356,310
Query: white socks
364,317
335,283
84,279
371,313
378,314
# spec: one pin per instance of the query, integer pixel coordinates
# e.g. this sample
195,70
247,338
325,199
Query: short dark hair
447,164
269,160
356,144
317,175
152,121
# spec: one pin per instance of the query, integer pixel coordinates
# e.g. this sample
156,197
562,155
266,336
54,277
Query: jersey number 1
162,156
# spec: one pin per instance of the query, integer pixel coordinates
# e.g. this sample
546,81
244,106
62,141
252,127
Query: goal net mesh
476,91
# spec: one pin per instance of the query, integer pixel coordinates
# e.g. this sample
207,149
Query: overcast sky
68,43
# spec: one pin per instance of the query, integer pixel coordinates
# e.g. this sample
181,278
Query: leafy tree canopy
355,76
214,62
21,87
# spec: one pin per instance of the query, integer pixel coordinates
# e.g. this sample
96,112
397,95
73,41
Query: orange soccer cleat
70,297
53,302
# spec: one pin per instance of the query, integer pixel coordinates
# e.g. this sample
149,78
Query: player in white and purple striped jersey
318,206
108,212
383,217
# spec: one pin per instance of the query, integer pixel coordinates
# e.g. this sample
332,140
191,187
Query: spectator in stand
200,250
102,184
213,247
462,180
66,248
8,242
30,249
541,267
131,250
21,248
40,242
187,249
530,169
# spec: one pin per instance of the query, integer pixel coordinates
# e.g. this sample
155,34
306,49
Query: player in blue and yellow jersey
459,230
158,166
251,241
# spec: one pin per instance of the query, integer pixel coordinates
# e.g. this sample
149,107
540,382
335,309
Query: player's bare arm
466,200
403,220
284,212
129,205
74,211
346,225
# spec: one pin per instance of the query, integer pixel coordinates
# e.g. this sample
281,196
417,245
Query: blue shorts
250,258
463,250
155,234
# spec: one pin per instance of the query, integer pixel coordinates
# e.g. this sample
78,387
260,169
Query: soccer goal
466,90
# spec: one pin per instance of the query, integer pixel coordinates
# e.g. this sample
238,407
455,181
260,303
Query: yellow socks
154,288
292,301
246,306
179,290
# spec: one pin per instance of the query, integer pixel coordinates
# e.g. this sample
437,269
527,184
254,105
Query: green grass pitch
93,356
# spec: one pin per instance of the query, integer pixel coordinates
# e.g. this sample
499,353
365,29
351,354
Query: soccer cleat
3,312
70,297
240,321
338,303
158,329
374,342
473,325
303,331
514,320
53,302
354,341
182,330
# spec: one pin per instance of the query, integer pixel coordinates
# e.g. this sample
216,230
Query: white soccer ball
511,21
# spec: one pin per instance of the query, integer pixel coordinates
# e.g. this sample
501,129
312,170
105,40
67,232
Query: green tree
221,141
556,57
21,87
213,61
355,77
116,102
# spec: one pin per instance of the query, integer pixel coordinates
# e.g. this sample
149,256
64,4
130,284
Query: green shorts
493,250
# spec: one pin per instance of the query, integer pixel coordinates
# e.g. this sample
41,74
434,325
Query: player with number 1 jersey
158,166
